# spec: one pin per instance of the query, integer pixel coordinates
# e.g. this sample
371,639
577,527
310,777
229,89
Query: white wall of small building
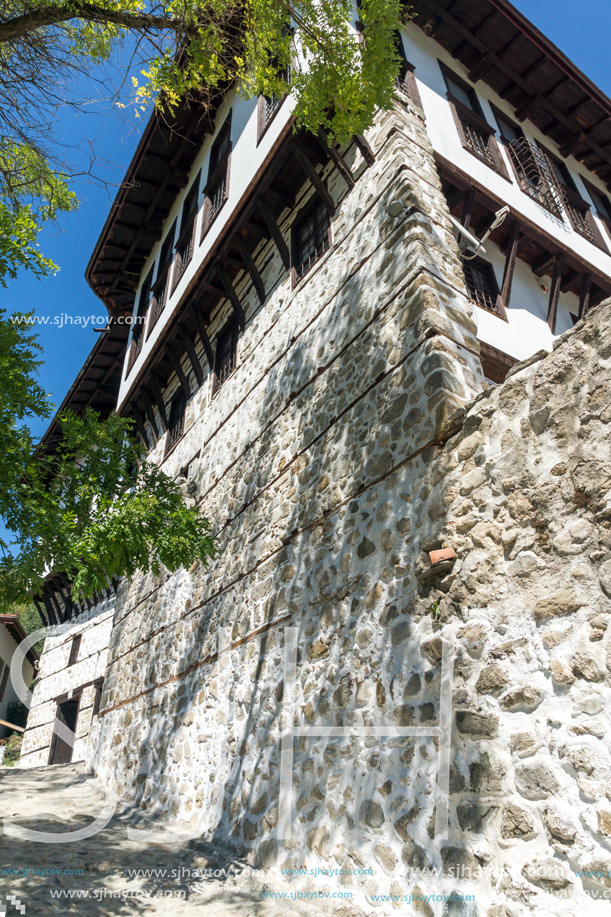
57,678
7,651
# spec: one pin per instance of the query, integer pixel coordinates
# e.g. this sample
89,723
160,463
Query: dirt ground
94,876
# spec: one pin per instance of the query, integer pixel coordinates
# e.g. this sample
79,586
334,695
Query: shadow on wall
329,508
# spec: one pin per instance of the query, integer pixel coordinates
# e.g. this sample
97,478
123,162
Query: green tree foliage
194,47
93,510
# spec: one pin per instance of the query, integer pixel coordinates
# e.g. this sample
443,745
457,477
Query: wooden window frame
75,648
5,670
161,287
97,698
406,81
76,696
139,329
474,118
313,204
221,170
186,238
546,198
478,262
575,207
231,327
172,439
495,363
592,190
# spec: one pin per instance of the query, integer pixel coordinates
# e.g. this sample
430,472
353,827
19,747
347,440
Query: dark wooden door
67,713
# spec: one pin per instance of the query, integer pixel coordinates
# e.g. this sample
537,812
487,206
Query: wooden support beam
140,426
319,186
467,207
187,343
150,413
365,150
283,200
51,614
554,292
569,278
543,265
510,263
203,334
157,394
584,297
334,154
274,231
232,296
57,612
571,145
177,369
41,611
482,67
251,268
12,726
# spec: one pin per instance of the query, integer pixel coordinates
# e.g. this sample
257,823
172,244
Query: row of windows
483,288
225,362
176,255
539,173
311,239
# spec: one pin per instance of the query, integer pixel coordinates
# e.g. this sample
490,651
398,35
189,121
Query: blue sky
580,30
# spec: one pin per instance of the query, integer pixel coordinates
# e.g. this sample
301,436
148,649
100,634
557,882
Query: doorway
67,713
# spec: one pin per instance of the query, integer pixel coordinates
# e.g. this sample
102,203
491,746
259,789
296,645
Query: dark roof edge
15,628
128,178
551,50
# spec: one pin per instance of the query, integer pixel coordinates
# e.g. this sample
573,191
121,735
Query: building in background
11,635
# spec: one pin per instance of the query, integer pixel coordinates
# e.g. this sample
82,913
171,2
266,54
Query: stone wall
57,679
342,383
350,442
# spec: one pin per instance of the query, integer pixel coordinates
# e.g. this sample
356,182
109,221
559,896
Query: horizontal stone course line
333,251
436,334
207,660
412,278
294,535
311,381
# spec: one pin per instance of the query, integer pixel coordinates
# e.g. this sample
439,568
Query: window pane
311,237
459,93
481,284
508,131
226,353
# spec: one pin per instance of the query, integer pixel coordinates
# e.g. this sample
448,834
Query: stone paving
64,798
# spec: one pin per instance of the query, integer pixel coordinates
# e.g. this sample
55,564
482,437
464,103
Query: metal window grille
579,217
184,250
138,339
176,425
311,238
217,195
478,141
536,174
481,284
226,356
272,103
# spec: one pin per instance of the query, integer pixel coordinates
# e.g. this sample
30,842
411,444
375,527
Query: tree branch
11,29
